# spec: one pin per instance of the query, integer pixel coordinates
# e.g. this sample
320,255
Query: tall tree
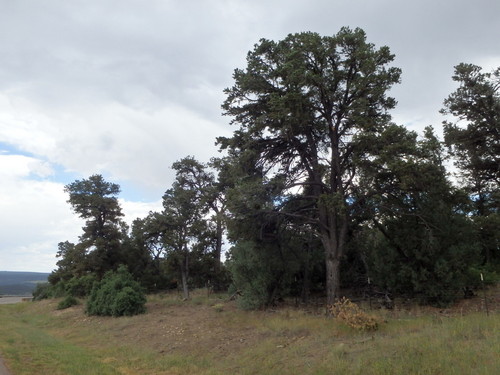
426,245
149,234
196,176
473,138
301,103
94,200
183,213
148,239
215,198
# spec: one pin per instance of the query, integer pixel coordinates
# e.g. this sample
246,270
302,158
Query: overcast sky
126,87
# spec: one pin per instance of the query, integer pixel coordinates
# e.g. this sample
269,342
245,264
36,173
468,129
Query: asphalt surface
9,300
3,369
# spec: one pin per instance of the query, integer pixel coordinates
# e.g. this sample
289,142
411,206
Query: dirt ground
187,327
178,328
215,327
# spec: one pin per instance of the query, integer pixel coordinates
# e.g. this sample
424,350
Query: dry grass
211,336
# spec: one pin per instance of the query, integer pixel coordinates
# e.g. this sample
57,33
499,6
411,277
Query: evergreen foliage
299,104
94,200
42,291
80,286
262,272
473,140
117,294
67,302
317,190
425,247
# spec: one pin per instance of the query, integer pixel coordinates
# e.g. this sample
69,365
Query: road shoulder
3,369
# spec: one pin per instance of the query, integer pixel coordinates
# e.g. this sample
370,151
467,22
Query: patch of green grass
29,349
425,345
198,297
34,339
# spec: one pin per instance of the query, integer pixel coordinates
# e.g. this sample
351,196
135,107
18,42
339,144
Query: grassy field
211,336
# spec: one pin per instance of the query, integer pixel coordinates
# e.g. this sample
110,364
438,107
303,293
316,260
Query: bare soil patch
178,328
174,327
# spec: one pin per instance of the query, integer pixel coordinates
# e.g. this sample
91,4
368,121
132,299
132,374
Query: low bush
218,307
117,294
128,301
67,302
48,290
42,291
485,275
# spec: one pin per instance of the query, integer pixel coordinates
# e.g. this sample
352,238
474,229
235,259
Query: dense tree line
317,190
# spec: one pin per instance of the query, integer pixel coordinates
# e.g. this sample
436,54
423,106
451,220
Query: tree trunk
184,276
334,241
185,289
306,282
218,245
332,279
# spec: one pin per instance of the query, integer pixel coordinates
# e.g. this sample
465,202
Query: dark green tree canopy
94,199
422,246
474,139
302,103
184,207
474,143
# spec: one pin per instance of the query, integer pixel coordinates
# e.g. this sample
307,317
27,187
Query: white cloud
125,143
34,215
133,210
125,88
22,166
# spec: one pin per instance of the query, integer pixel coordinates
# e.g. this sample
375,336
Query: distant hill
20,283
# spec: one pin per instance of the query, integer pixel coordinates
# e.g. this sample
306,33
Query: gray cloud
125,88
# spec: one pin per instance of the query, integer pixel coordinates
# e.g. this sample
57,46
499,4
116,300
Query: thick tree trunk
332,279
334,241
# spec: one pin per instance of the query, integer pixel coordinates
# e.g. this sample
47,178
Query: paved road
3,369
10,300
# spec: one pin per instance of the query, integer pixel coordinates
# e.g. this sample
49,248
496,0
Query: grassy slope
193,337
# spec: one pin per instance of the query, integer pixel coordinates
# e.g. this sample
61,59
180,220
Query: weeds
218,307
352,315
184,337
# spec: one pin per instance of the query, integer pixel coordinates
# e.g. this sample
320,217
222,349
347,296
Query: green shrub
490,276
262,272
68,301
128,302
117,294
80,286
47,290
429,262
42,291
